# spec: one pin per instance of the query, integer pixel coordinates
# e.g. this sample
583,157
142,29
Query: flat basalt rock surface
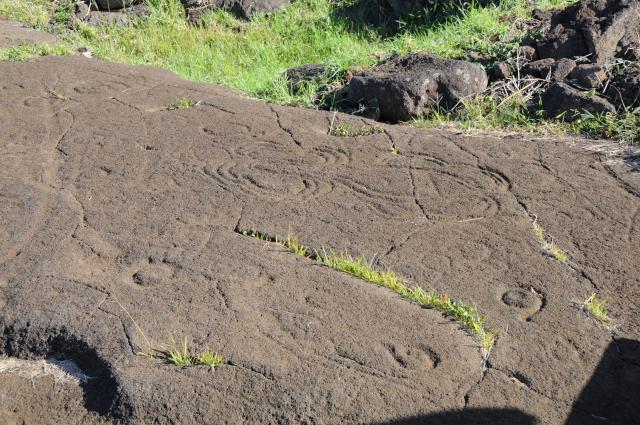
120,214
14,34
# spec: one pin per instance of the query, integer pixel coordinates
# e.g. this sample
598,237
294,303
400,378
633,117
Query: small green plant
182,103
347,130
293,244
209,358
548,245
179,354
596,307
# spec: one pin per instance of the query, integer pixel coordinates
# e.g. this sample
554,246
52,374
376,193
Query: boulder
242,9
589,75
562,68
528,53
408,86
624,88
298,75
560,98
114,4
500,71
119,17
540,68
599,28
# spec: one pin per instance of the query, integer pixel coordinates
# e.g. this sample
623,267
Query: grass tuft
182,103
347,130
179,354
597,308
548,244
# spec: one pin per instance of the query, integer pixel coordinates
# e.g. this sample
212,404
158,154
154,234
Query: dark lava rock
114,4
589,75
561,98
241,8
541,15
305,73
540,68
119,17
500,71
407,86
601,28
624,88
562,68
527,53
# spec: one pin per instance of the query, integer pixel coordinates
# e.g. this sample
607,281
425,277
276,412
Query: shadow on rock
613,392
610,396
468,416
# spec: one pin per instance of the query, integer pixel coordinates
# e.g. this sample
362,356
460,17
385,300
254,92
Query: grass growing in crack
548,245
458,310
363,269
26,52
176,354
347,130
182,103
179,354
597,308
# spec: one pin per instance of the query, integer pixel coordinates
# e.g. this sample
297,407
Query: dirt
120,214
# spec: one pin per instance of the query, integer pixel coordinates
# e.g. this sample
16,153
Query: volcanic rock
407,86
241,8
599,28
624,88
589,75
562,99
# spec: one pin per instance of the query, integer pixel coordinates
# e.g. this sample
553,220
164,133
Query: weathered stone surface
14,34
624,88
561,69
540,68
599,28
241,8
501,71
589,75
562,99
119,215
108,5
407,86
527,53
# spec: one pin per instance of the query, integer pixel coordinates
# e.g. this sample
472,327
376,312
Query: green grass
363,269
35,13
348,130
548,245
179,354
182,103
26,52
597,308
